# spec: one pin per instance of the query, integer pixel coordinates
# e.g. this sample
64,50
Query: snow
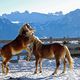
16,22
24,70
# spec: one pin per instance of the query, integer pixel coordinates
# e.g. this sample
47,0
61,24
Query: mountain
67,26
46,25
33,17
8,30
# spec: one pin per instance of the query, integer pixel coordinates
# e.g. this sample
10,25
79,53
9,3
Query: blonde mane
37,41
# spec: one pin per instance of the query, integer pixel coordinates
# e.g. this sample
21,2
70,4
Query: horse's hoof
54,73
35,72
40,72
27,60
63,72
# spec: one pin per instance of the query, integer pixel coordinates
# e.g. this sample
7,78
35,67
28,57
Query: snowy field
24,70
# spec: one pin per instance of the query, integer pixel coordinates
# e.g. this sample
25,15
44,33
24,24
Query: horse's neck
24,40
19,37
37,40
37,43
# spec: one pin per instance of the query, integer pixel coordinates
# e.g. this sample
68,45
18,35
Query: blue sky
42,6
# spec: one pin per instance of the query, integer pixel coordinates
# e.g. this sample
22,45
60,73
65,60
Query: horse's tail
69,58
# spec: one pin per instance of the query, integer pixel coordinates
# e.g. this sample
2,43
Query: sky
42,6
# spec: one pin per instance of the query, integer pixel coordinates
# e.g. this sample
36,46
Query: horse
16,46
50,51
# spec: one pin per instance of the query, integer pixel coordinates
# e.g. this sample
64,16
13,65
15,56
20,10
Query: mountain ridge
46,25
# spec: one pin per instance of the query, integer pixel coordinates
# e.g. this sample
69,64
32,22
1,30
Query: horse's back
50,50
57,48
53,45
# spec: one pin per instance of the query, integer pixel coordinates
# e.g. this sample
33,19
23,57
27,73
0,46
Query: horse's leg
29,53
36,63
57,66
7,69
28,57
2,68
40,63
5,64
64,62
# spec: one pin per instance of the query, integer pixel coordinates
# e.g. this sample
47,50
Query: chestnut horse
16,46
49,51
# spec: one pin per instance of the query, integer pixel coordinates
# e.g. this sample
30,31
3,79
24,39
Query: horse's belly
14,52
49,55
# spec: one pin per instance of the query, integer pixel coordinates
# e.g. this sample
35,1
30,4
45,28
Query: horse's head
29,27
36,42
26,30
